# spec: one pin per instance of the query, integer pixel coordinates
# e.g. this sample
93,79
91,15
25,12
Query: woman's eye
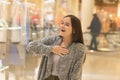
67,24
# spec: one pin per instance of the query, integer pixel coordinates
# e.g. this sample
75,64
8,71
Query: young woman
62,55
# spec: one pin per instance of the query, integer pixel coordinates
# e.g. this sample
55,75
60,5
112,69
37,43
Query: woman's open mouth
63,30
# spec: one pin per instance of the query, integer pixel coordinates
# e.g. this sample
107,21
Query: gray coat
70,65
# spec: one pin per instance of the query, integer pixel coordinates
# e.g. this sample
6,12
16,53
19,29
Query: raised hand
59,50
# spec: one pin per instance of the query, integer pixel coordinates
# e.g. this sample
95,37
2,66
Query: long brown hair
77,35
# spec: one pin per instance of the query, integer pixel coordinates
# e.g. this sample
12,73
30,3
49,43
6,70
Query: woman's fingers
59,50
64,51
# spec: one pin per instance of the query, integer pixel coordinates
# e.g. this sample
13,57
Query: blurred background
22,21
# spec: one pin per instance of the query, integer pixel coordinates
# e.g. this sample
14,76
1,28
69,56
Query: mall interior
22,21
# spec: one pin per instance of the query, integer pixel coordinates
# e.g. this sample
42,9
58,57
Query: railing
105,40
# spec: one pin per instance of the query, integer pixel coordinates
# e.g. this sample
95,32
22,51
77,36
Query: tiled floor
102,66
98,66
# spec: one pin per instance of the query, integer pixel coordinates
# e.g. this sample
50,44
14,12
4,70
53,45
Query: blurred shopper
35,24
62,55
112,26
95,29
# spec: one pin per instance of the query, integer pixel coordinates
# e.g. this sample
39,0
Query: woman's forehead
67,19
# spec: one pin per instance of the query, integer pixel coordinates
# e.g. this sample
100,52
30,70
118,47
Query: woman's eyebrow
68,23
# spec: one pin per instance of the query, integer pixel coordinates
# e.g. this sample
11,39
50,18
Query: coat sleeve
76,73
42,47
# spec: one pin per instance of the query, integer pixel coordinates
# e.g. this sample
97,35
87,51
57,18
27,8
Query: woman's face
66,27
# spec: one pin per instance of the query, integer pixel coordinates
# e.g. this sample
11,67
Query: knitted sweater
70,65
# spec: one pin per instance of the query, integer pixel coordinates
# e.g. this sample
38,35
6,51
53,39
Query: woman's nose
62,25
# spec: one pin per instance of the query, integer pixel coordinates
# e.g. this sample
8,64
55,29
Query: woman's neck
66,41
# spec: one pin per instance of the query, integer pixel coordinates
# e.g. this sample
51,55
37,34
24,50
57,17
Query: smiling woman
62,55
66,28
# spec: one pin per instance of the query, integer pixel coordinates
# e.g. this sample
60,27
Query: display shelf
3,68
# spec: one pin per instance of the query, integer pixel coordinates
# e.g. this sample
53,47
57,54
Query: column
23,23
7,55
118,13
87,8
73,7
3,9
42,12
